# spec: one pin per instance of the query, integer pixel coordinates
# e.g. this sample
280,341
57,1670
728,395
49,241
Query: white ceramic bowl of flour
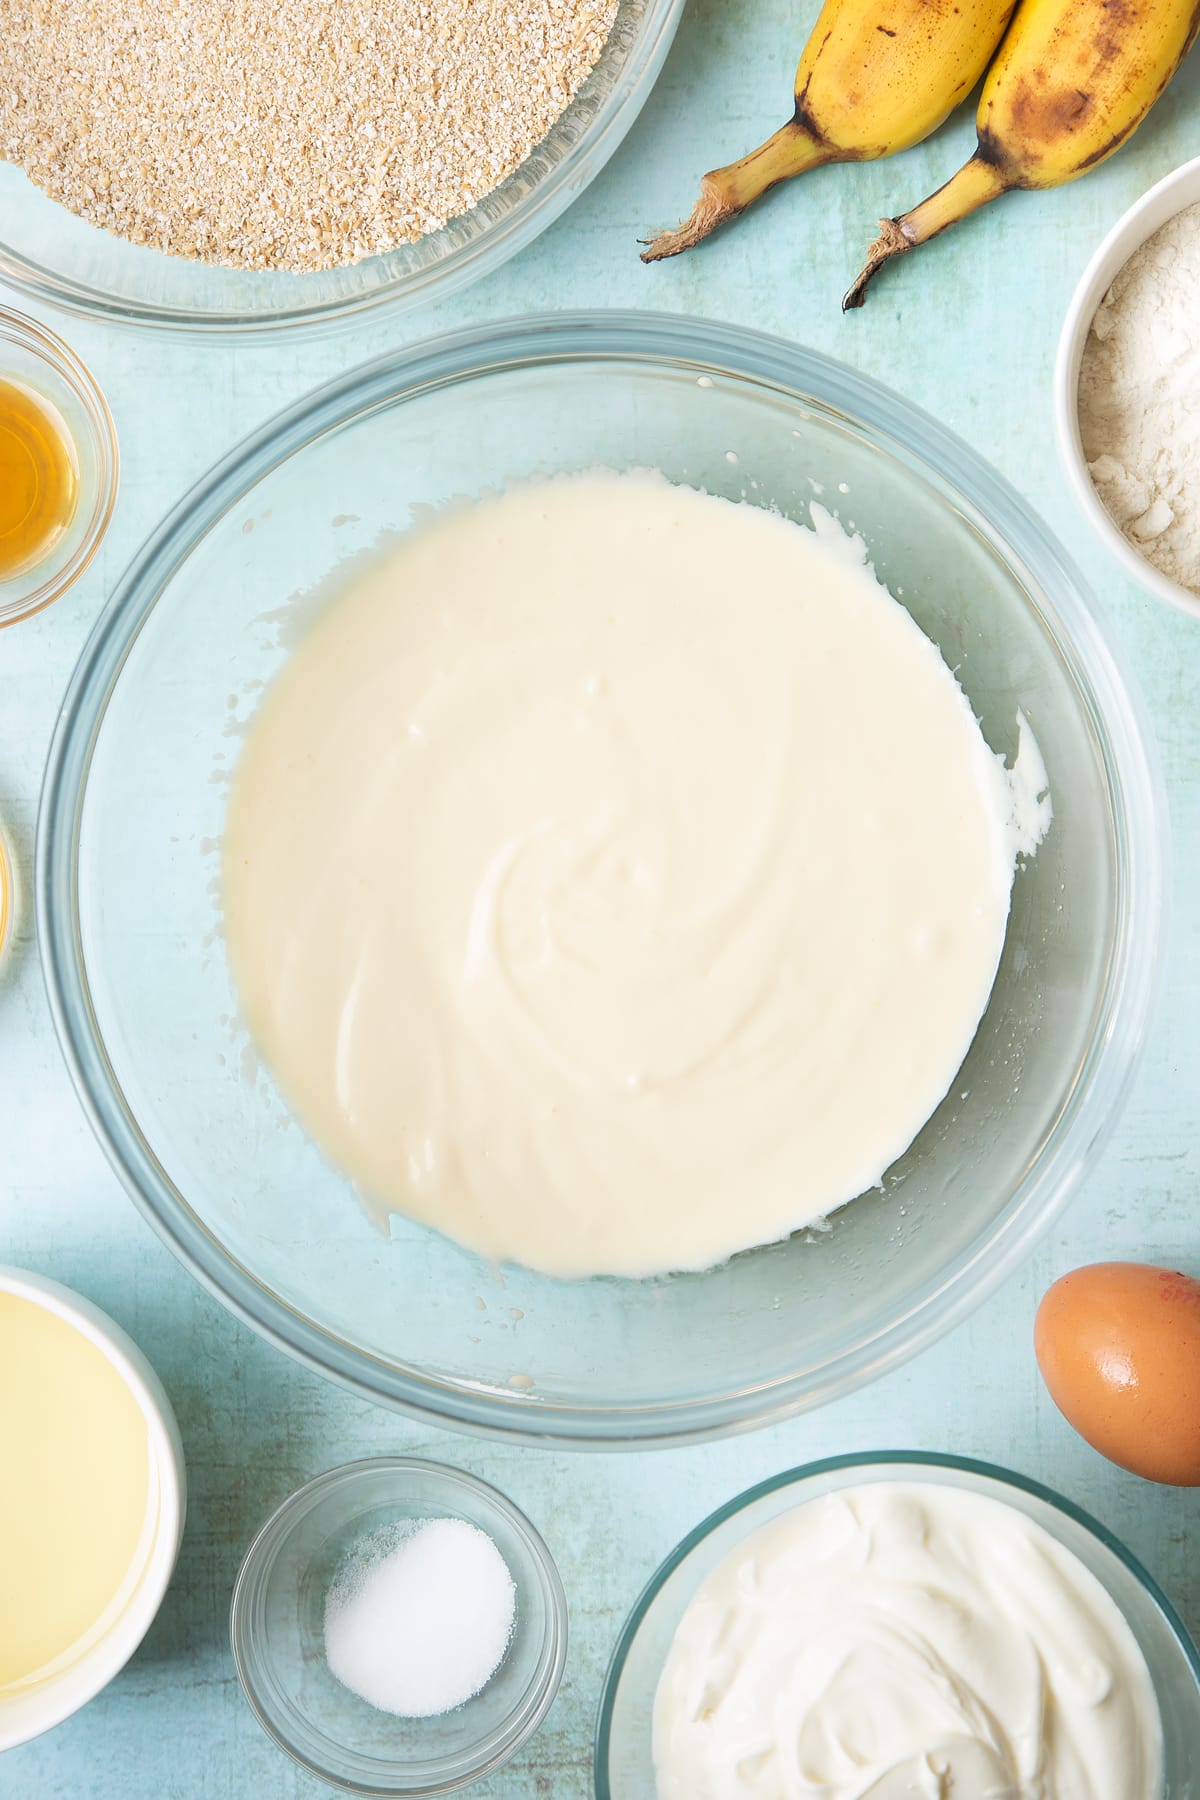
1170,197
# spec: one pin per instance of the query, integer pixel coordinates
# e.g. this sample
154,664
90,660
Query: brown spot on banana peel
995,170
801,113
1043,115
1114,143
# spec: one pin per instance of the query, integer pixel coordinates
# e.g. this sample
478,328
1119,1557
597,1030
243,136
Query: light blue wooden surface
968,329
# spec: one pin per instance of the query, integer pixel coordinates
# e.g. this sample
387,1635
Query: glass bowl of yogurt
904,1623
134,879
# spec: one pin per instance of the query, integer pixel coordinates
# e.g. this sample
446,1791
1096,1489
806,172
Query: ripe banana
1071,81
876,76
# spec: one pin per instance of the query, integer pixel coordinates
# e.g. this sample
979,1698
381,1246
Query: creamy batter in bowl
1004,1634
602,1025
129,890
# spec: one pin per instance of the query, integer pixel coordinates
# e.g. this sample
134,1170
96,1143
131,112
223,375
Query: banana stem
724,193
977,182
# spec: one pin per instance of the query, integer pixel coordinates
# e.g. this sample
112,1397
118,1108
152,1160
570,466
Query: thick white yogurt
616,876
904,1641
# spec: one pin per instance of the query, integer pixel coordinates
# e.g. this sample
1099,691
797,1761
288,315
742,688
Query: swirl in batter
616,876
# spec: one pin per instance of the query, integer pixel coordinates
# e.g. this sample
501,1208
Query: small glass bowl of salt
399,1627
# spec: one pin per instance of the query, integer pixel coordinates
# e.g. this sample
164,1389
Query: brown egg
1118,1345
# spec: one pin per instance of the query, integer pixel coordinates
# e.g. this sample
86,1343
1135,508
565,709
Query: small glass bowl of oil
58,467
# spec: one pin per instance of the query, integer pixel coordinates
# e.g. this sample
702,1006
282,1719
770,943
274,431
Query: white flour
1139,399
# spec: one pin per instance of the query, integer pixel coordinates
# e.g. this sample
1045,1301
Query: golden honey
39,481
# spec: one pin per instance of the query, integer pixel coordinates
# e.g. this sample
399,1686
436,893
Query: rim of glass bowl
8,897
992,508
269,1539
18,328
833,1465
537,209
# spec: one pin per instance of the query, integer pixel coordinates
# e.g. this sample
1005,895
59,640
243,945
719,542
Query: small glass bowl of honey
58,467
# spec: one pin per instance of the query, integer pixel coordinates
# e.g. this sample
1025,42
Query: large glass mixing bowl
56,258
128,900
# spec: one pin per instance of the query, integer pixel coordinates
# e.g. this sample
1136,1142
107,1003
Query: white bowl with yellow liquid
96,1505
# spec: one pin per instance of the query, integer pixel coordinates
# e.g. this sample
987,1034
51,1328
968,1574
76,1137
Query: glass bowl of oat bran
275,166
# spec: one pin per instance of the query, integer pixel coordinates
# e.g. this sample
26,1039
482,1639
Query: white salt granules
1139,399
417,1623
